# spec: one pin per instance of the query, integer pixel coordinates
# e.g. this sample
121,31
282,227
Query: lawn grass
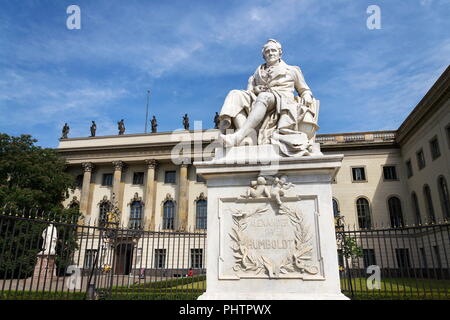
192,287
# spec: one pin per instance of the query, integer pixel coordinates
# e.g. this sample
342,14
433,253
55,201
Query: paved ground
70,284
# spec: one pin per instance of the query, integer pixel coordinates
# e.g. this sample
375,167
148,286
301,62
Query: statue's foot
229,140
247,141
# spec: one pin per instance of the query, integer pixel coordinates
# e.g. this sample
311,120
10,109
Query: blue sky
191,53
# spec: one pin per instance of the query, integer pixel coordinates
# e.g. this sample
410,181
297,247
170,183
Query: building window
409,169
336,211
390,173
444,197
201,214
169,215
424,258
402,256
363,210
200,179
160,258
138,178
447,129
79,181
369,258
89,258
395,212
136,215
420,159
105,207
170,177
196,258
434,148
429,203
107,179
416,208
359,174
437,256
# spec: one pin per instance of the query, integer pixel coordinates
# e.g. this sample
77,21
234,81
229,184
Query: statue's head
272,51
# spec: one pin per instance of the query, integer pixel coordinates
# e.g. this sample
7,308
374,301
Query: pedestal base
269,296
270,226
45,267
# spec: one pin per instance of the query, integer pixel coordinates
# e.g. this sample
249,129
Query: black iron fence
42,257
411,262
77,261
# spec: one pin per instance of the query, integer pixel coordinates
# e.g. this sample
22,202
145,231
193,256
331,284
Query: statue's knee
234,93
265,97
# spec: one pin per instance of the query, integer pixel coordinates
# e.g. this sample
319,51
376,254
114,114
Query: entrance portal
124,258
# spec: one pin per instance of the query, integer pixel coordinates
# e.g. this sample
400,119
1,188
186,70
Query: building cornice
434,99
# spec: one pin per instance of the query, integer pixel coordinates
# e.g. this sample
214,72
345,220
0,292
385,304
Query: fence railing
91,262
408,262
77,261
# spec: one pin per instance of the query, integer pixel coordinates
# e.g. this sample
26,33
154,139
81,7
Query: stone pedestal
263,244
45,267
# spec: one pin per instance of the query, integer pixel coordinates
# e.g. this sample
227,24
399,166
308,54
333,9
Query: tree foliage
31,176
33,184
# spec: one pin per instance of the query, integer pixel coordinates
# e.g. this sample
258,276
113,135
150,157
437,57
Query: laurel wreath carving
295,261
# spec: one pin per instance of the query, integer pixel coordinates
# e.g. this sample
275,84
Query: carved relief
135,198
87,166
118,165
298,251
151,163
200,197
260,188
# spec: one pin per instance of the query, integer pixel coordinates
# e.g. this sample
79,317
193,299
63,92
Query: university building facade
387,178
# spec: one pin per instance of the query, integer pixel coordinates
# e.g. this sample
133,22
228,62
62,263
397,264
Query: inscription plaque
261,239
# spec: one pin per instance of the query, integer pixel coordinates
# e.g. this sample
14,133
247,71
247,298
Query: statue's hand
307,98
259,89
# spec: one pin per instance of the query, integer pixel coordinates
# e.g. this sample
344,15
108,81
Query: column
117,189
183,202
85,189
150,195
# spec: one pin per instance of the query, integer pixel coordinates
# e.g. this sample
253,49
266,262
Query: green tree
33,183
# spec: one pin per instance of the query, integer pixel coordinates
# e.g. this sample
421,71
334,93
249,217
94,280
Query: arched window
416,208
363,210
201,214
429,203
79,181
169,215
336,211
136,215
105,207
395,212
444,197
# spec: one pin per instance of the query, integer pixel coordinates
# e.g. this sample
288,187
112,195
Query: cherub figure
258,189
278,188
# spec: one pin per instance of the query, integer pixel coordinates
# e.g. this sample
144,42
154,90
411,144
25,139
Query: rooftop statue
121,127
93,129
65,131
186,122
268,112
154,124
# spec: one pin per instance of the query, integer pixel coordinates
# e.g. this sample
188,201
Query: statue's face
271,54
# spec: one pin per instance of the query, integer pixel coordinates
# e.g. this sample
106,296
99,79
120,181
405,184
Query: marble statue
65,131
268,112
154,124
49,235
121,127
93,129
186,122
